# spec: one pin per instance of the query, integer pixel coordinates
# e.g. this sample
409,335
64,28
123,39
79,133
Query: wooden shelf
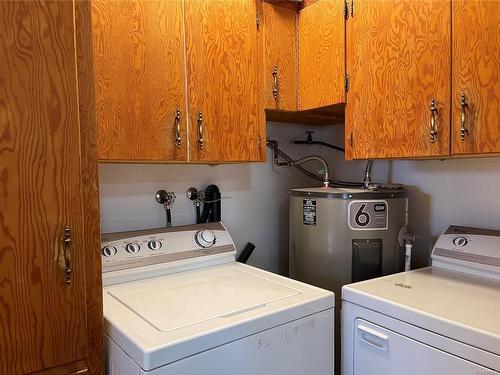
328,115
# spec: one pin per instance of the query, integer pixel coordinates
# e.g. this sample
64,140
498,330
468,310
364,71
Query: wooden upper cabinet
140,73
476,76
279,28
321,34
43,318
398,60
139,80
223,81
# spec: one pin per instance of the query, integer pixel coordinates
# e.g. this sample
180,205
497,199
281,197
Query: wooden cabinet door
139,80
43,318
279,24
321,54
476,75
398,60
223,80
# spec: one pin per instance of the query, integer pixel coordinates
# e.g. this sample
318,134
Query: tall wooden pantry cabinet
50,291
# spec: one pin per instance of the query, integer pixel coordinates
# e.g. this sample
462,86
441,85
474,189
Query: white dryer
439,320
177,303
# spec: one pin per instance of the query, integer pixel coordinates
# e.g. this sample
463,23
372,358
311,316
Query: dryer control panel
127,250
470,250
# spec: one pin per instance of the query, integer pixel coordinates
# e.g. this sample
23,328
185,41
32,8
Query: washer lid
163,319
170,303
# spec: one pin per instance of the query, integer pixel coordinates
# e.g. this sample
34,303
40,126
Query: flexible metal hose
368,174
326,170
289,162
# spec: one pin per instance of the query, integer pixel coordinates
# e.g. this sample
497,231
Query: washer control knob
460,241
154,245
132,248
205,238
108,251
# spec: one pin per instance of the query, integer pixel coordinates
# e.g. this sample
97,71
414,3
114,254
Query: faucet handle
195,195
165,198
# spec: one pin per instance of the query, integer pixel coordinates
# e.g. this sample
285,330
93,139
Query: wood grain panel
305,3
73,368
223,79
293,5
139,75
321,54
261,122
279,26
88,138
398,59
42,318
476,72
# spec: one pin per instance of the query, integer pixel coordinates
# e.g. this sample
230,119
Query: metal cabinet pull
177,121
433,132
200,130
275,79
463,129
67,254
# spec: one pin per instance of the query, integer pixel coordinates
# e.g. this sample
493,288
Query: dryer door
379,351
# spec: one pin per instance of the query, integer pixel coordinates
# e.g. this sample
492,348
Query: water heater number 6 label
368,215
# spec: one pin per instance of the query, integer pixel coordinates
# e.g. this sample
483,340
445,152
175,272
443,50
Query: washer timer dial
205,238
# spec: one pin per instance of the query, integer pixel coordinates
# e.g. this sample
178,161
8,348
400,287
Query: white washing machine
177,303
439,320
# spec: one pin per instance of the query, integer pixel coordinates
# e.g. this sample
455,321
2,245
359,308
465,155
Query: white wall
255,195
254,204
465,192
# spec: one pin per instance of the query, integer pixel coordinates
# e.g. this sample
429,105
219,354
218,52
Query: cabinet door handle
463,104
373,337
433,132
275,80
177,121
67,254
200,130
